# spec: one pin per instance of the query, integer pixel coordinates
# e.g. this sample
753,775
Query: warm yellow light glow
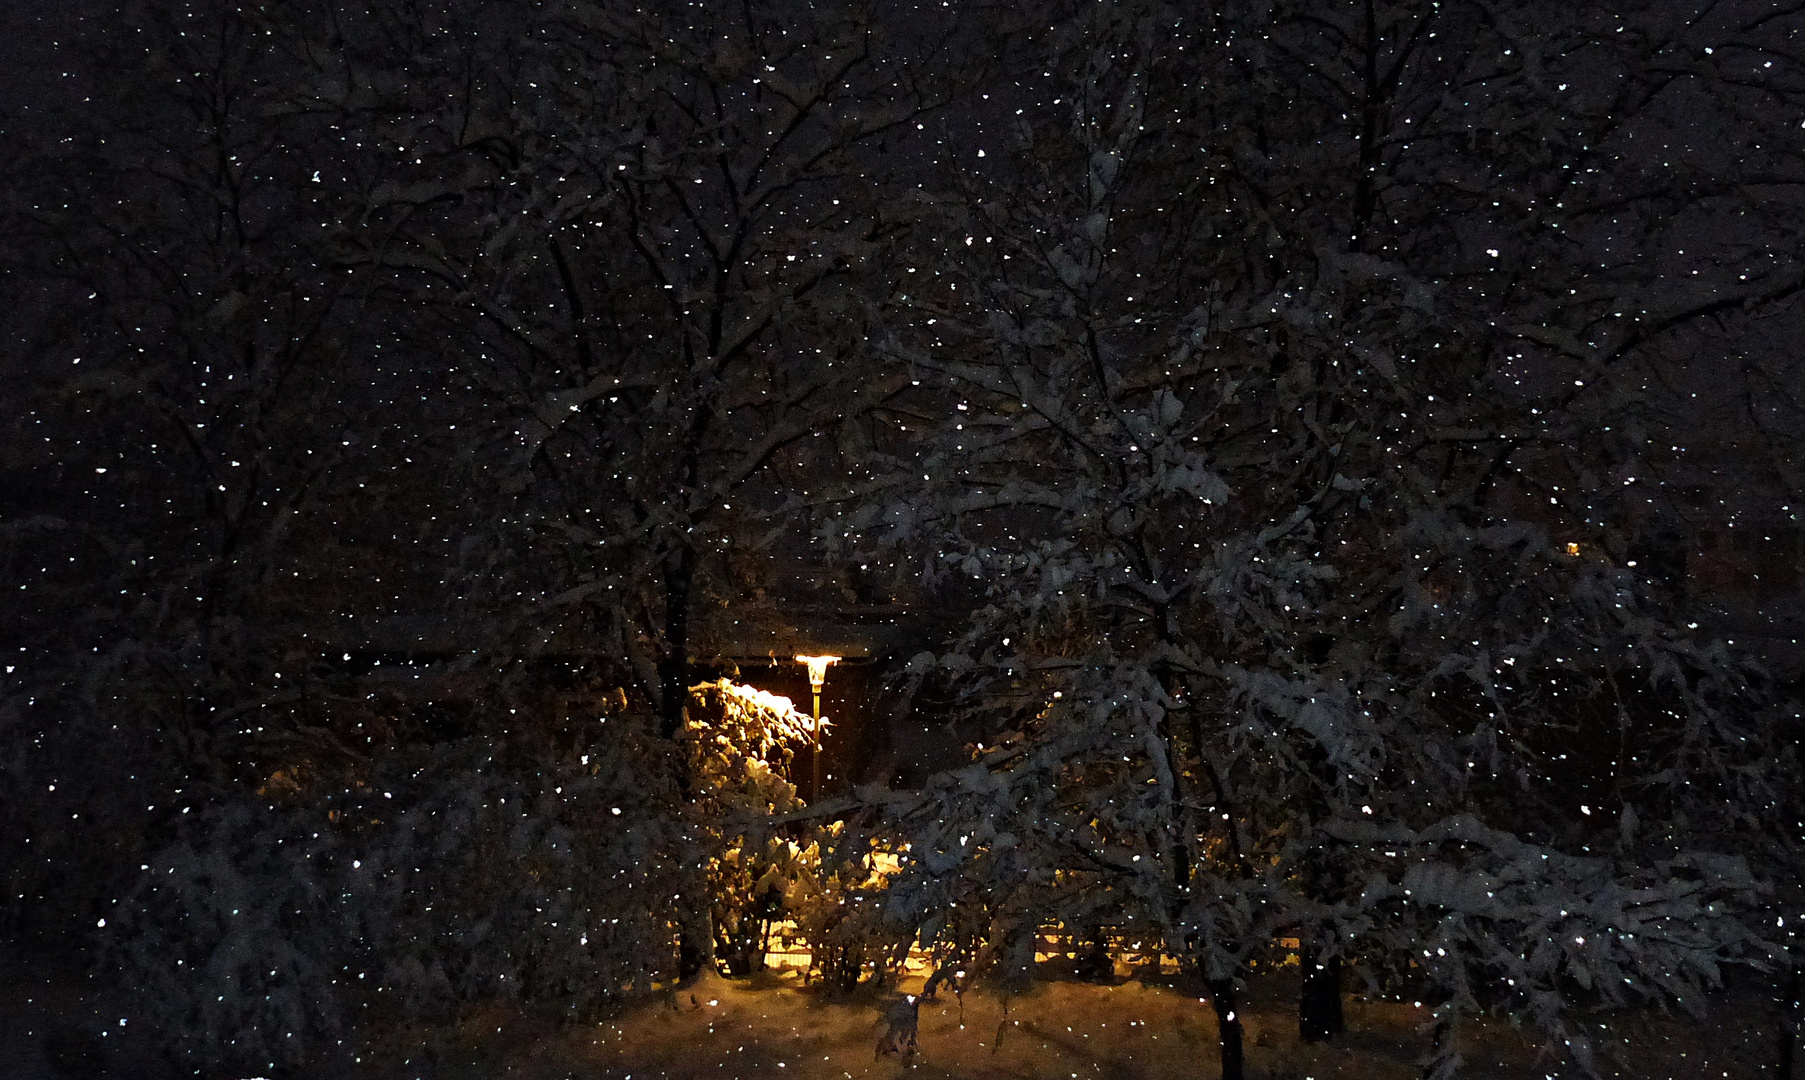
817,668
755,698
770,716
1573,549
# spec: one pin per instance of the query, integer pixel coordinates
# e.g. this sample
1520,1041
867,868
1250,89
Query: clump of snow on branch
757,720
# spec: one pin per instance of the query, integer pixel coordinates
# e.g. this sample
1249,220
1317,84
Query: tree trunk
673,665
695,939
1319,1003
1095,964
1443,1060
695,929
1228,1027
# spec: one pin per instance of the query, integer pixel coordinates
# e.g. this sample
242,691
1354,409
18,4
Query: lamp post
817,677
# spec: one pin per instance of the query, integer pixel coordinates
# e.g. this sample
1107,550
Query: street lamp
817,677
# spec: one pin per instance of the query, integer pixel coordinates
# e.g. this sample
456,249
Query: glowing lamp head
817,668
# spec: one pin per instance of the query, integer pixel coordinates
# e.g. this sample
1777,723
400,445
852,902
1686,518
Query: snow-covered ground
772,1027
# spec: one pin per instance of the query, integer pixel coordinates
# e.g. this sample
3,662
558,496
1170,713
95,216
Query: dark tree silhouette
1293,395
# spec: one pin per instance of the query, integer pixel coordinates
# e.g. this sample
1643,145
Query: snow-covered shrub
232,947
506,869
740,740
840,908
484,869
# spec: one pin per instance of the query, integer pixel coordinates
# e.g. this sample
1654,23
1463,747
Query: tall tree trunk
1319,1002
695,929
1228,1028
674,664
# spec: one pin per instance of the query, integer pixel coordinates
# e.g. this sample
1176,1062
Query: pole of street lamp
817,677
814,756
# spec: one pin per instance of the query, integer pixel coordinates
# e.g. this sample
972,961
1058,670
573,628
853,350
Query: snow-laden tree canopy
1301,447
